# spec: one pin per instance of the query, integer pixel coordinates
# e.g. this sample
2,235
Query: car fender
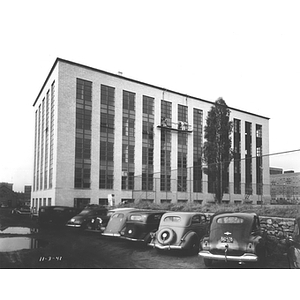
189,238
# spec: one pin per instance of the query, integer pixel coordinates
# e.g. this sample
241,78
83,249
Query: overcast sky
247,52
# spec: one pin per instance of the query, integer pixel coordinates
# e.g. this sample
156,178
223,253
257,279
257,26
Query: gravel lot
69,248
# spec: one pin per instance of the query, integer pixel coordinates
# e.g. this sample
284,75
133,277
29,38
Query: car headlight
205,244
72,220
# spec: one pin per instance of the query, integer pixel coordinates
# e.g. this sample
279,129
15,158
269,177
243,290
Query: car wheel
194,249
165,236
208,262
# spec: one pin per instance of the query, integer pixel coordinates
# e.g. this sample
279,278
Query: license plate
226,239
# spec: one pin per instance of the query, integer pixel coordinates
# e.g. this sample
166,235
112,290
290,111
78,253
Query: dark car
140,225
234,237
293,244
180,230
87,215
55,215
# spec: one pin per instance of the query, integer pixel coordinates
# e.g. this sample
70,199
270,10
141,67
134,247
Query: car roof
56,206
184,213
147,211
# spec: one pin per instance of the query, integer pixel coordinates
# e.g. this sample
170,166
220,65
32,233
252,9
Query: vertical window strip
51,135
248,167
42,145
38,149
46,142
237,156
197,146
165,160
35,152
83,134
182,152
106,170
148,143
128,140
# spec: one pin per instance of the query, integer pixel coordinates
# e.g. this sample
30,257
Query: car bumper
247,257
111,234
74,225
165,247
132,239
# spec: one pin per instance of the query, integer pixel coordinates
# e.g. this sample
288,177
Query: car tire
208,262
165,236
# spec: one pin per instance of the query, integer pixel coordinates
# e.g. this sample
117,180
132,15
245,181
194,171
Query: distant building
285,187
12,199
274,171
7,196
103,138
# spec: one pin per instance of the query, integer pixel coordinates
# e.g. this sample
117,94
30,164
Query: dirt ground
69,248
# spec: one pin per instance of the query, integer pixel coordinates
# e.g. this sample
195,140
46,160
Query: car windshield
118,215
230,220
172,219
85,212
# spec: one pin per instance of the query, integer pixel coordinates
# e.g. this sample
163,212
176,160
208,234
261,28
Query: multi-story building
285,186
103,138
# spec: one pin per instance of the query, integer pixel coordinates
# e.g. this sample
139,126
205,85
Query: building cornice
132,80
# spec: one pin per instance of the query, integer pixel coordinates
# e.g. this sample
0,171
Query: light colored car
180,230
117,221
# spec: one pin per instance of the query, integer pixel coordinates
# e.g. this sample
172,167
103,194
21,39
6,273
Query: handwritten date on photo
50,258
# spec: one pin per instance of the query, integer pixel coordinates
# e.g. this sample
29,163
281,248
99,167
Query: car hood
77,219
115,225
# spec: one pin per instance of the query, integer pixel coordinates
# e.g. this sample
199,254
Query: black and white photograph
147,139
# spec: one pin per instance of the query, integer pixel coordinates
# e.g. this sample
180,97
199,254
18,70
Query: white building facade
101,138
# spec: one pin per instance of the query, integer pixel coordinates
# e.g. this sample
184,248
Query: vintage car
140,225
24,210
88,214
116,222
55,215
233,237
98,224
293,247
180,230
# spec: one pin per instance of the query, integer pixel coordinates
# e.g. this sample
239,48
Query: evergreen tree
217,152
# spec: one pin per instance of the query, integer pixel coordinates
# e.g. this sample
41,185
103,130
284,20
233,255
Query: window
197,152
165,158
175,219
148,143
128,140
83,134
107,124
230,220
